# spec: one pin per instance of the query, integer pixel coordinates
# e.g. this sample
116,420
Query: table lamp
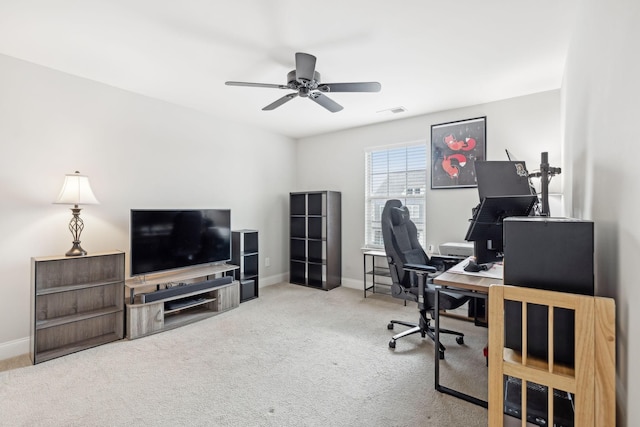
76,191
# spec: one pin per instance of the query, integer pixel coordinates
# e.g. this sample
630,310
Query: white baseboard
352,283
14,348
272,280
279,278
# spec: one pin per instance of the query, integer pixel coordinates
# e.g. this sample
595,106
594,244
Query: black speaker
184,289
553,254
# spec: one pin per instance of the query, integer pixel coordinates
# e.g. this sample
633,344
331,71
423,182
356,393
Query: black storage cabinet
244,253
315,239
552,254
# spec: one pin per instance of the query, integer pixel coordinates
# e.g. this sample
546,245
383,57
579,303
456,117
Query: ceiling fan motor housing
296,84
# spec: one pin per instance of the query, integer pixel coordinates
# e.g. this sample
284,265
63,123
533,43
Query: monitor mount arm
546,173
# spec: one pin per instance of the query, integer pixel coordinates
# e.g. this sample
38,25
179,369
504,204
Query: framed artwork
455,146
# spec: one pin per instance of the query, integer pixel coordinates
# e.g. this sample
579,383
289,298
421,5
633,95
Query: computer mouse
473,267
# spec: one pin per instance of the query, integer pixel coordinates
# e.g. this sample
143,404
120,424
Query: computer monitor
488,251
504,190
502,178
485,229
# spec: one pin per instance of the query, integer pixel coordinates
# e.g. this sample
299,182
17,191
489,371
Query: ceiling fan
305,80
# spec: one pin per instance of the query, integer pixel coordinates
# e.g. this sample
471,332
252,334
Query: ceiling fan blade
350,87
325,101
305,66
280,101
269,85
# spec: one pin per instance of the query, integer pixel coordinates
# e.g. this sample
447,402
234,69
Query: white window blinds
395,173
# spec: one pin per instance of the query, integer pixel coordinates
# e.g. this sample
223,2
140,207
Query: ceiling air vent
394,110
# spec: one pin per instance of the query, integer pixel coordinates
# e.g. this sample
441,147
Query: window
395,173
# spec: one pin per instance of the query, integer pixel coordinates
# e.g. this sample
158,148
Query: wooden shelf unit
76,303
591,380
146,318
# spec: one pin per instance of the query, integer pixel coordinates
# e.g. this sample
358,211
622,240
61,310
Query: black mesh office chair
405,252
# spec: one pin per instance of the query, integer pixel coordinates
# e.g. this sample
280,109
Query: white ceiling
429,55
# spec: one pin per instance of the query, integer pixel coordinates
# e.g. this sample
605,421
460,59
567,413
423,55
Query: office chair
404,252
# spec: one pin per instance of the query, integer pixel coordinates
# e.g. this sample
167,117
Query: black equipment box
553,254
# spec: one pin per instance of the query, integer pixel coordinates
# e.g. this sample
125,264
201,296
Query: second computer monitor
502,178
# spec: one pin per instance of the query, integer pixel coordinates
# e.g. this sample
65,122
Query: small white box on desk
461,249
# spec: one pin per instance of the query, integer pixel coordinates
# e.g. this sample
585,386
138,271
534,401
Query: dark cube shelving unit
316,239
244,253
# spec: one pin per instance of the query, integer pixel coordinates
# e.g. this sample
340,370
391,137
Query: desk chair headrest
399,216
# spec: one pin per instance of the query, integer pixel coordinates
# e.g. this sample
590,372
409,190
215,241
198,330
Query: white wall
600,94
526,126
138,153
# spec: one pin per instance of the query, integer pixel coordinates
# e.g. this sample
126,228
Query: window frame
415,199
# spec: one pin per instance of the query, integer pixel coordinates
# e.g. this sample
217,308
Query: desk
381,270
476,286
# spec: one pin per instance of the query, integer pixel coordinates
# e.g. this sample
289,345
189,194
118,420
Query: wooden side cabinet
244,253
76,303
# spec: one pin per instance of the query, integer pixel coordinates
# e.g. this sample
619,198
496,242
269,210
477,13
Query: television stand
202,292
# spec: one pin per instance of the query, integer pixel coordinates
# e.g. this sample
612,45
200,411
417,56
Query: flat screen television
171,239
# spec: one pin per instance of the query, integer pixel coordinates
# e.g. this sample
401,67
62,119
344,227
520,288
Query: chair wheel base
460,340
441,354
390,326
392,344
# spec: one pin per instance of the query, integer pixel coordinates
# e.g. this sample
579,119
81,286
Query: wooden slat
542,297
592,380
542,377
513,356
605,364
525,340
550,342
584,361
496,341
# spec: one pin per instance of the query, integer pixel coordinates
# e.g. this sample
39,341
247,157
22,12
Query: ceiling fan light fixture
305,81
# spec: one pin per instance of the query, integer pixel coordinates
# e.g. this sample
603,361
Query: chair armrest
420,268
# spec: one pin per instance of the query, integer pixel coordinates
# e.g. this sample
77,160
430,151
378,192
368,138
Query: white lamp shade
76,191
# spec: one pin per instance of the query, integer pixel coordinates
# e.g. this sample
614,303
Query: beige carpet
293,357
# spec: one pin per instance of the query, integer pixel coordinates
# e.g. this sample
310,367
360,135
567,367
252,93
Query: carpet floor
293,357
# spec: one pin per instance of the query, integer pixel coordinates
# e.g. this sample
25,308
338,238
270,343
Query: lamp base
76,250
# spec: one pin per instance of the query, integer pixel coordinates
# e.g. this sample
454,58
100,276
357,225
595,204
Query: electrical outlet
430,249
267,262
